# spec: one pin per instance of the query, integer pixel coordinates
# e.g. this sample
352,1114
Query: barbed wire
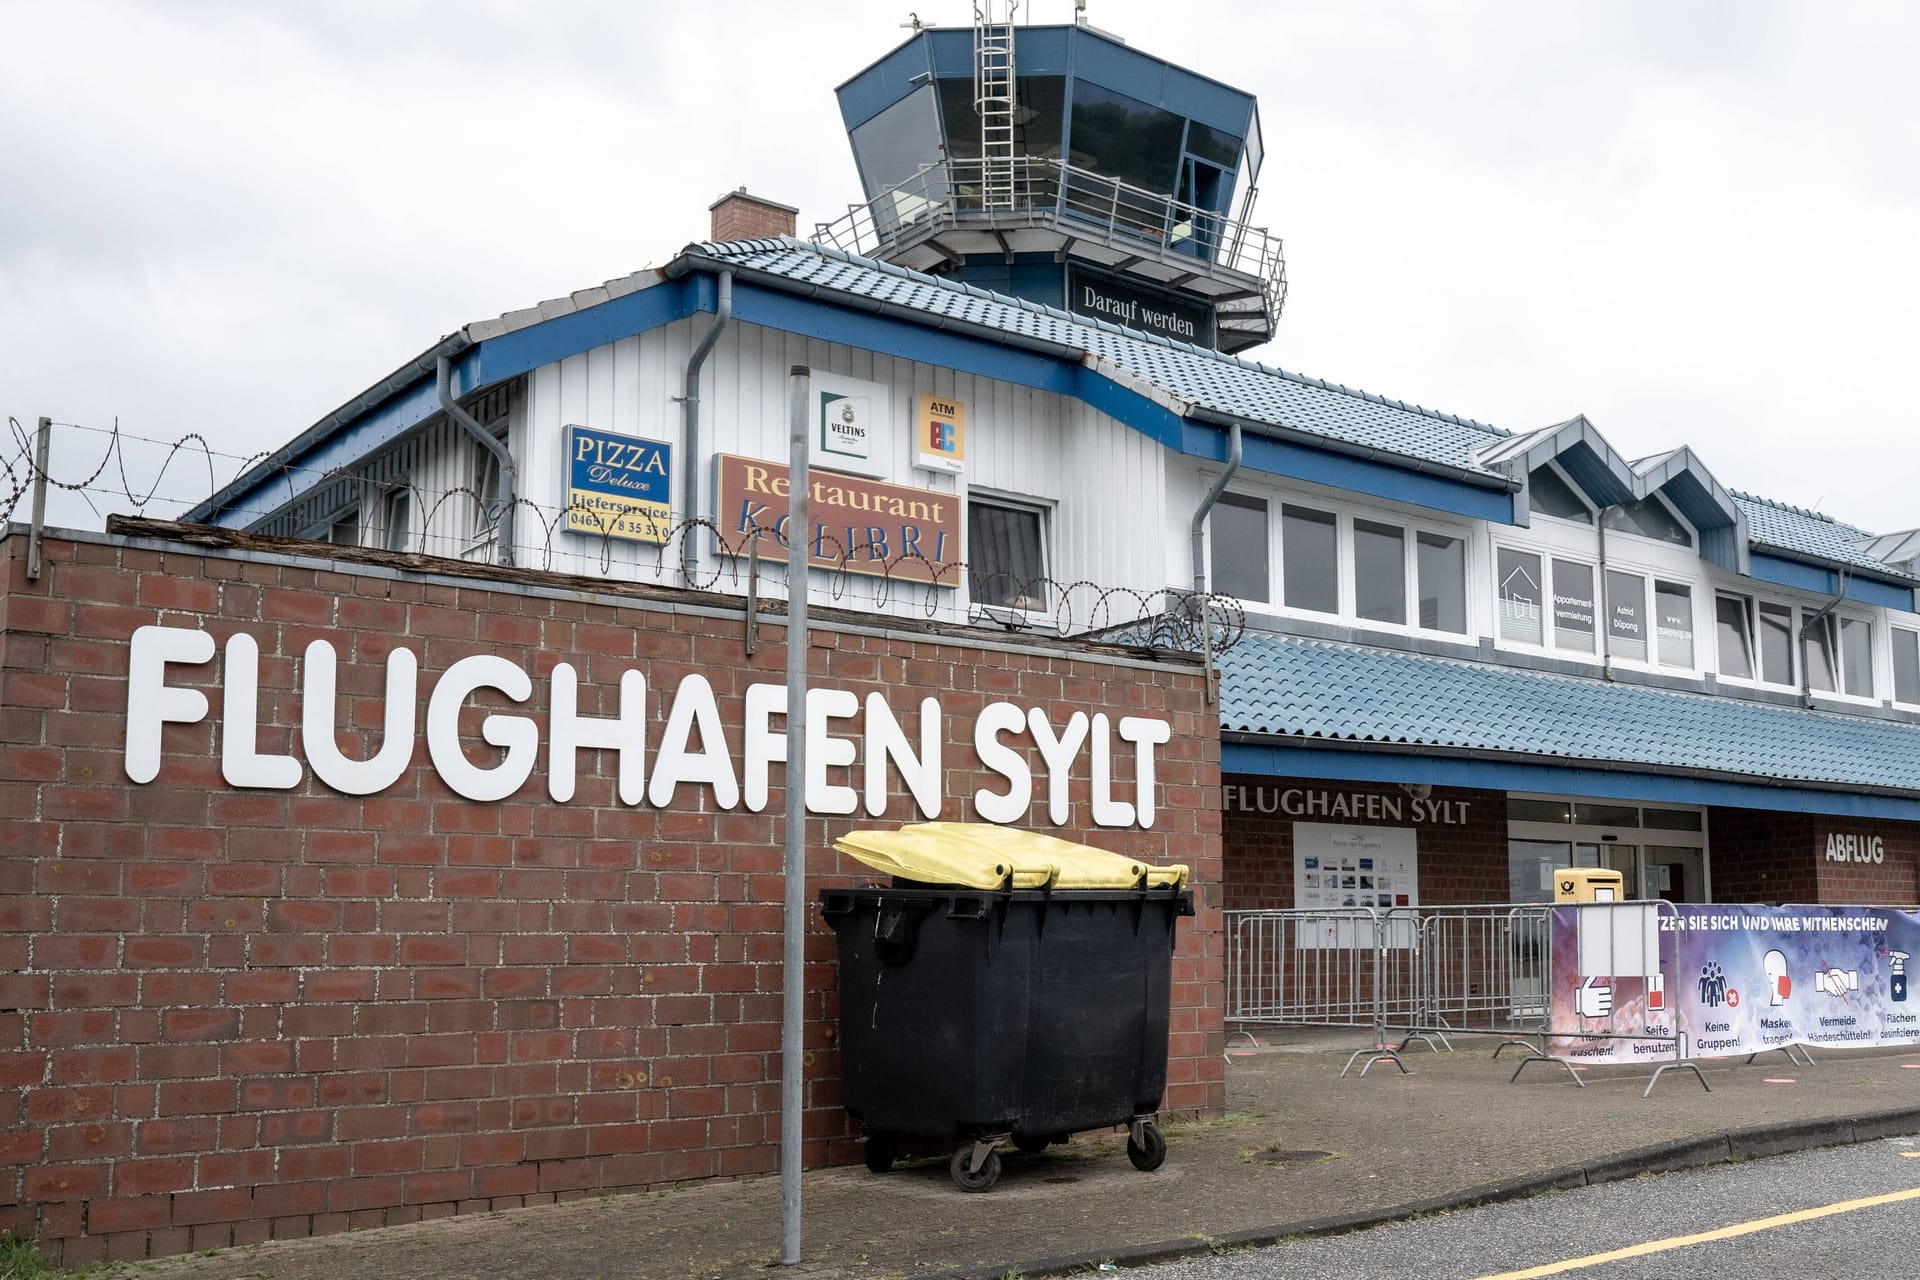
905,583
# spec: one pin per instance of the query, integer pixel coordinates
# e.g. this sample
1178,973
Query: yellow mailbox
1588,884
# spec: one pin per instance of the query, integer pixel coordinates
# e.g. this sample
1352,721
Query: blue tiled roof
1230,385
1204,377
1775,524
1294,688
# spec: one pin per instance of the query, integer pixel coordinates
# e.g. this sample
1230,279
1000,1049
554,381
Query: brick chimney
739,216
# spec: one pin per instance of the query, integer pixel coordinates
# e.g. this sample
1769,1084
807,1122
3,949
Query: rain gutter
443,389
690,429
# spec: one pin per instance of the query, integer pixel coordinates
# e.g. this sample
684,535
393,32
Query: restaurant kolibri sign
866,526
692,755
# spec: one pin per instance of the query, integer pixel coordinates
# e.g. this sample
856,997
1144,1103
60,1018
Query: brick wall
228,1015
1462,859
1782,857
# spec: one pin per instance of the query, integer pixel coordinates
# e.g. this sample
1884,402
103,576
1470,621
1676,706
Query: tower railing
967,195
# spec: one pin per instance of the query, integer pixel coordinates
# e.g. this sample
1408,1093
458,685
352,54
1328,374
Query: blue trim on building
754,304
484,364
1884,594
1807,577
1358,475
1496,775
1791,573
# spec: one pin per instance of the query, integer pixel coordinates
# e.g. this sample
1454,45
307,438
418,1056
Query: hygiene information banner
1629,977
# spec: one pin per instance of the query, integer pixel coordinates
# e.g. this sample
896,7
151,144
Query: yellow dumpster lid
980,855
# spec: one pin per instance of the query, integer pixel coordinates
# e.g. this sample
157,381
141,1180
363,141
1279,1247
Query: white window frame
1834,618
1042,510
1267,504
1907,625
1346,584
398,498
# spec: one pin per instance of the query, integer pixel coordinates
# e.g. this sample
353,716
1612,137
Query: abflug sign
673,762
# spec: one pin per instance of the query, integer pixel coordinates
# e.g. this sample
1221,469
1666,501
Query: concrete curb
1665,1157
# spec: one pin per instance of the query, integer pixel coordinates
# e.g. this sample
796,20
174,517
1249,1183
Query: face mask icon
1779,985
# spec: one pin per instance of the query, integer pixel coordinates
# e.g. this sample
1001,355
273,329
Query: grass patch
20,1260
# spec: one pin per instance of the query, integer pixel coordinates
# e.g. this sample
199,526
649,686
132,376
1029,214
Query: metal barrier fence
1430,972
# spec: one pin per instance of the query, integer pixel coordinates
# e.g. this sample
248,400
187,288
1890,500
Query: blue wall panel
1443,771
1355,475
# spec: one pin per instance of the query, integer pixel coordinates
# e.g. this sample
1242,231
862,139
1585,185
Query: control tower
1059,164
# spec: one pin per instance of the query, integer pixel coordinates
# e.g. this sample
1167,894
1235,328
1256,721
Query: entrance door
1673,872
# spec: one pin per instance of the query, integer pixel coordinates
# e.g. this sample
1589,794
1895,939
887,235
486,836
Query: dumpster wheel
882,1150
970,1174
1146,1146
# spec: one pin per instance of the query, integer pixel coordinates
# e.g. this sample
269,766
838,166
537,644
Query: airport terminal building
1084,567
1510,644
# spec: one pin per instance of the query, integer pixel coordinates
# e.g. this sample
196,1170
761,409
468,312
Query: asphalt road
1851,1212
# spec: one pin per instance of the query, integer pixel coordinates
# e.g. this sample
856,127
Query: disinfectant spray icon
1899,961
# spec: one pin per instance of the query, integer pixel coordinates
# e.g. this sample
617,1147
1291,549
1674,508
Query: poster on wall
852,428
940,437
1339,867
619,486
1729,979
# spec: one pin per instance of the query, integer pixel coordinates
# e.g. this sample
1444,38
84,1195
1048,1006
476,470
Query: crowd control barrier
1428,973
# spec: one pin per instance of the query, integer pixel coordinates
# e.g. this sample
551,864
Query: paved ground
1301,1151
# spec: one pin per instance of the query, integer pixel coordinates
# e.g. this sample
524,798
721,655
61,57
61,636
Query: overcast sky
1695,222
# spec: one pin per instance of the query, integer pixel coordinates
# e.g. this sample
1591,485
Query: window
398,522
1441,567
486,499
1379,572
1817,650
1776,643
1906,665
1649,518
1517,579
1310,559
1573,605
1626,615
1673,624
1549,495
1856,657
344,529
1733,624
1006,561
1237,533
1121,137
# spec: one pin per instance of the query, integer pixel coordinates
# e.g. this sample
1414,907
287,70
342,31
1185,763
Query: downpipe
690,430
509,477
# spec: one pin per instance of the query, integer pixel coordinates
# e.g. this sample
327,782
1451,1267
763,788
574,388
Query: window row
1394,574
1835,652
1551,602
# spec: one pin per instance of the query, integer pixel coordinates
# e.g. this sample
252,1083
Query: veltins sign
619,486
851,428
691,755
868,526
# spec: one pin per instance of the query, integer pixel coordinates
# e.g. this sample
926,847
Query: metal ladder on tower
994,99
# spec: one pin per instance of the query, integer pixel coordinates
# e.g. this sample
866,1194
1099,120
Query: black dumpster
1033,1013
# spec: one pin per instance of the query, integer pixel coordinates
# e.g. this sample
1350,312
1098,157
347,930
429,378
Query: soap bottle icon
1899,979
